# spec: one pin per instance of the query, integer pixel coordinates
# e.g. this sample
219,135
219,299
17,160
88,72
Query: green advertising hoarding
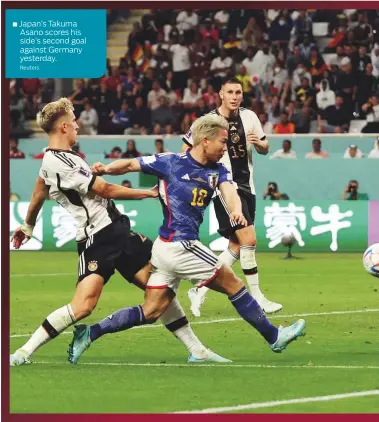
340,226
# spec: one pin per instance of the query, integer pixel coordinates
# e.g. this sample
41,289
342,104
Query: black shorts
114,247
222,213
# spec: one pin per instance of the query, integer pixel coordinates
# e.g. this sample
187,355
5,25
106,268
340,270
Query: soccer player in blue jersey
105,242
186,184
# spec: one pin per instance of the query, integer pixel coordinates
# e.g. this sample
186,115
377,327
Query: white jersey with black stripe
238,157
70,179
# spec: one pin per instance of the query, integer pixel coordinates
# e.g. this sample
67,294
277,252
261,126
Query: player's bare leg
248,308
175,320
87,294
83,303
158,303
246,237
197,295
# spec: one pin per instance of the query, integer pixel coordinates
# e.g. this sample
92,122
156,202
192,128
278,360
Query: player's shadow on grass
290,256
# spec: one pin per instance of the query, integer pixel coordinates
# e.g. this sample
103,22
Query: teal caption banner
58,43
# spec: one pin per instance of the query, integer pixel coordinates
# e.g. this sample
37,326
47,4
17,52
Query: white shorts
185,260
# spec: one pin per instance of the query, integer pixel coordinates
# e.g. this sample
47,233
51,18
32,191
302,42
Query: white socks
175,320
174,312
189,339
53,325
228,257
250,270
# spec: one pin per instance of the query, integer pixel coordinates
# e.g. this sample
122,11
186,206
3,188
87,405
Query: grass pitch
144,370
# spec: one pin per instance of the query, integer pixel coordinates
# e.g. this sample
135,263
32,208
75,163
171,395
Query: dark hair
289,142
159,140
232,80
317,140
114,149
134,150
126,181
273,183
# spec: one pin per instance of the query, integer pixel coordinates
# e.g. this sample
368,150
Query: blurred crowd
301,71
286,152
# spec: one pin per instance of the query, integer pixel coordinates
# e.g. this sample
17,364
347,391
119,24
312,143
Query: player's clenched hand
238,218
99,169
19,238
155,191
253,139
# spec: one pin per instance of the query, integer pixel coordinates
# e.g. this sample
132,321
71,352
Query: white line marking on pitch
284,402
216,321
213,365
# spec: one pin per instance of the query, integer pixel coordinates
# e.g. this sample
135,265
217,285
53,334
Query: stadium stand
173,57
303,72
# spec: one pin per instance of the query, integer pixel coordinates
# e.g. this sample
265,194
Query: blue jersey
185,190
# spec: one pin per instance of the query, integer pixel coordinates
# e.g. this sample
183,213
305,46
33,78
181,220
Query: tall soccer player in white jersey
245,131
104,240
186,184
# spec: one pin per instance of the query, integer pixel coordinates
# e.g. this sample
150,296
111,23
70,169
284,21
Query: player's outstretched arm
112,191
117,167
23,233
233,202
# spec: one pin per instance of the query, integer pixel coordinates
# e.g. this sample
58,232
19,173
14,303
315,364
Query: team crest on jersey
213,180
92,265
235,138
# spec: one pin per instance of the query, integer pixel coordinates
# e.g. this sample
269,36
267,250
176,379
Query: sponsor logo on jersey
213,180
235,138
92,266
84,172
186,177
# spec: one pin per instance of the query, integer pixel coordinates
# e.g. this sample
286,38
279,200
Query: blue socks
251,312
244,303
121,320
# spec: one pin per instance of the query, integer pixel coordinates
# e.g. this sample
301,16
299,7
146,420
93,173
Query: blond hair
208,127
53,112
